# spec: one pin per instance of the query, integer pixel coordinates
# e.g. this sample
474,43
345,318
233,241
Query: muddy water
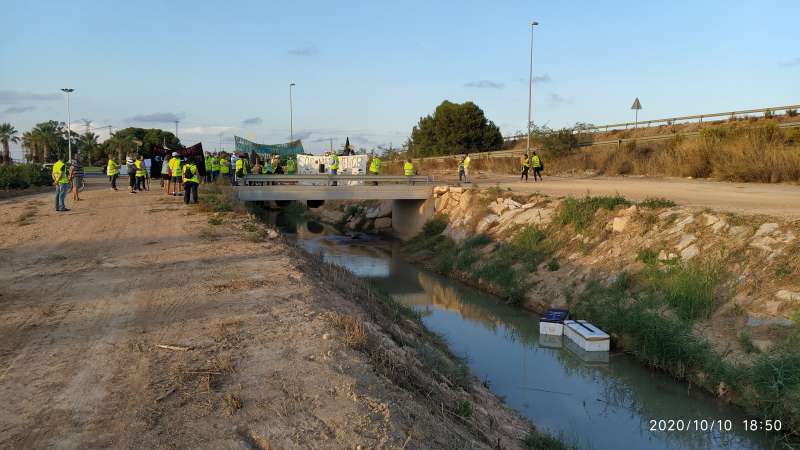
588,400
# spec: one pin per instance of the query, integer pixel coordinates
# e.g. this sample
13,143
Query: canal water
587,400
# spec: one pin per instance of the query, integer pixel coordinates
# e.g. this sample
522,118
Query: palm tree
29,142
87,143
50,136
7,134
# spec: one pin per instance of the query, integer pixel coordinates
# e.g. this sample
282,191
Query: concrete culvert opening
315,203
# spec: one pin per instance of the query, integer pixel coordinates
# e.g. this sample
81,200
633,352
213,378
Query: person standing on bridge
291,166
375,167
526,165
538,166
466,168
408,170
112,170
334,166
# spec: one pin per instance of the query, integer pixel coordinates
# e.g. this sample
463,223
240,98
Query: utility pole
176,128
291,114
69,119
331,144
530,89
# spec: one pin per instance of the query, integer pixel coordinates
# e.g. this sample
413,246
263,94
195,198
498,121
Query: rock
767,228
763,345
689,252
383,223
384,209
686,240
772,308
272,234
738,231
455,233
528,205
710,219
486,223
326,336
719,226
679,226
629,211
456,190
440,190
497,208
772,321
788,296
764,243
619,224
511,203
355,223
441,203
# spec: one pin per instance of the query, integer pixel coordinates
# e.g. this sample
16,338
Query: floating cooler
552,322
587,336
595,359
550,341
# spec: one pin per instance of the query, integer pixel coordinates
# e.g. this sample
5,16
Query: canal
605,401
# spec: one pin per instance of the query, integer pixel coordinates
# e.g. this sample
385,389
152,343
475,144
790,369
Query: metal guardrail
673,120
341,180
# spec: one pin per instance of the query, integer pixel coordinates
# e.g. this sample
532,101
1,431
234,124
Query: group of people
529,162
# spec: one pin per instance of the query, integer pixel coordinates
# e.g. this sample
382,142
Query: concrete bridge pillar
408,216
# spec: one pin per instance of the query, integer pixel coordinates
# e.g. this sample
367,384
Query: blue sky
370,70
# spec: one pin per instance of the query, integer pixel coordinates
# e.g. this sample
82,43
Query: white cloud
485,84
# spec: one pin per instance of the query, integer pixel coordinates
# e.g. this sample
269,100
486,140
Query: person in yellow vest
140,169
175,170
334,166
467,160
538,166
375,165
190,181
112,170
209,167
224,167
291,166
526,165
61,180
215,168
408,170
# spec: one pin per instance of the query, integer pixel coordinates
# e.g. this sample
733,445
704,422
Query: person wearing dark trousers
190,182
526,165
112,170
538,166
131,175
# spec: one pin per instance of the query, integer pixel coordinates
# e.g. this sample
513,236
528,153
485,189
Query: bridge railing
333,180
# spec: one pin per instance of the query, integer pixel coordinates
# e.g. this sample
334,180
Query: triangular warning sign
636,104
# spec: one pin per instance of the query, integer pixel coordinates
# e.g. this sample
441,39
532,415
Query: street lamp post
530,88
69,120
291,114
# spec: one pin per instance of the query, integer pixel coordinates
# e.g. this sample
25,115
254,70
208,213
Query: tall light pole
176,128
291,114
69,119
530,88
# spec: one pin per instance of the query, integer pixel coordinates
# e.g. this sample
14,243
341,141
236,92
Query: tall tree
87,144
454,128
50,136
7,134
29,142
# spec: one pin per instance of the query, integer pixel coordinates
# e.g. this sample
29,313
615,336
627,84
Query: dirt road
744,198
253,358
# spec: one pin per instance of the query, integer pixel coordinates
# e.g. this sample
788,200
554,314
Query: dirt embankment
134,321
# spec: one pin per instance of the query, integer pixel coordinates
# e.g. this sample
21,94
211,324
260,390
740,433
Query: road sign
636,104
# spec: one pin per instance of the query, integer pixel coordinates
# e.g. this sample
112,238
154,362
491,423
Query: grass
746,341
580,212
689,288
463,409
536,440
648,256
656,203
216,198
355,335
216,220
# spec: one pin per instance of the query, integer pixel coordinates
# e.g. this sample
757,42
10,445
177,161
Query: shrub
553,265
656,203
580,212
688,288
435,225
648,256
464,409
21,176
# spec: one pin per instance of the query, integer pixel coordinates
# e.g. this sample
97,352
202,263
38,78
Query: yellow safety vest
408,169
291,167
526,162
215,164
139,168
536,162
335,163
60,172
175,166
375,165
223,166
208,163
190,173
466,163
112,168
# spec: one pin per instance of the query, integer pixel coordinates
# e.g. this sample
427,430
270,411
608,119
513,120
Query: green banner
284,150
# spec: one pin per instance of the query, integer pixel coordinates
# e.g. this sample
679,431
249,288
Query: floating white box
556,329
587,336
598,359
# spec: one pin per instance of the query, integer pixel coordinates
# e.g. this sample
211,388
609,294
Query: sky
368,70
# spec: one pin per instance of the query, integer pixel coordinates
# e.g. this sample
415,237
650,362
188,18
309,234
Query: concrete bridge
411,197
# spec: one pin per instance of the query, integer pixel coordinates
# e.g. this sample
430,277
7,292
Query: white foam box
551,341
552,328
587,336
